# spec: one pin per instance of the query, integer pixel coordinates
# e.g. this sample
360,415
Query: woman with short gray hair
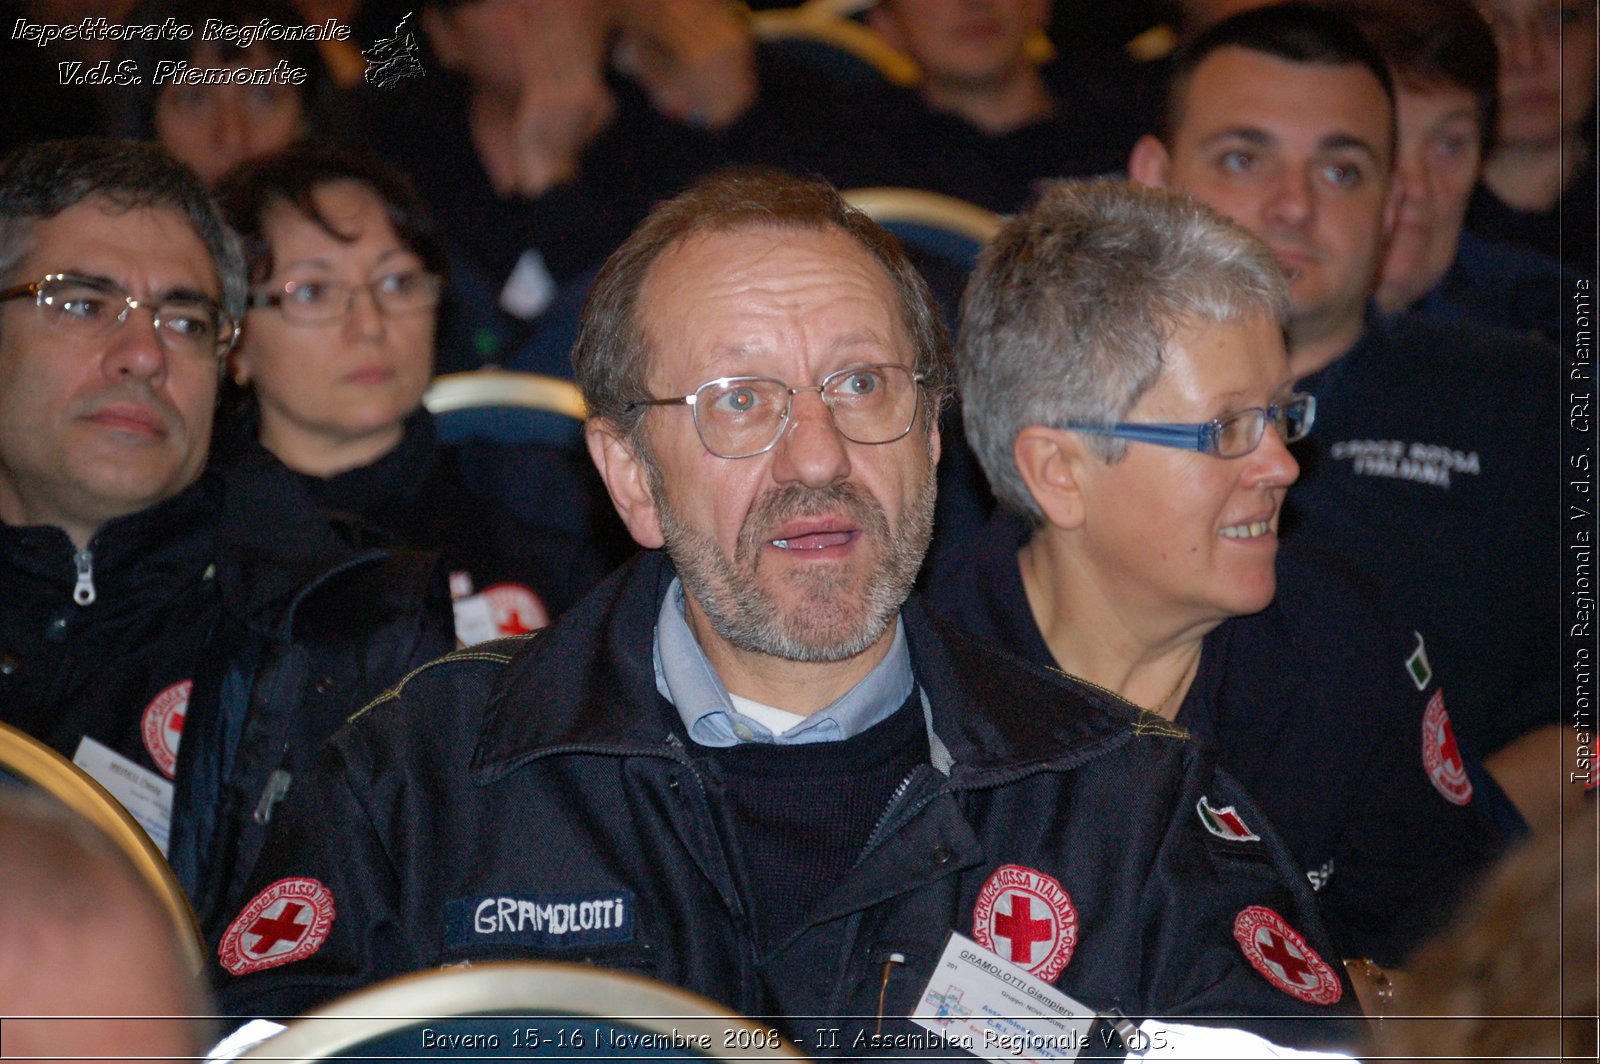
1126,387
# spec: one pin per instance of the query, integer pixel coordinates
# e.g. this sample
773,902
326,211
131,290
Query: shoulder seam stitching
458,655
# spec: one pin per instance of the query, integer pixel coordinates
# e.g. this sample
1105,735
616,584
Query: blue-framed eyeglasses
1233,436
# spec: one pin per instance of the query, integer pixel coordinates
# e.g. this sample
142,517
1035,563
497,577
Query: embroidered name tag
540,921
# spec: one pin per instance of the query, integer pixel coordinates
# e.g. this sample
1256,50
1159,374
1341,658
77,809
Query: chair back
833,45
942,235
940,223
506,406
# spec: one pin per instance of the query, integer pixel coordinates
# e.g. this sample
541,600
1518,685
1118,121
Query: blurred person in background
338,348
213,128
1443,60
1515,972
533,156
695,59
1539,181
973,57
983,123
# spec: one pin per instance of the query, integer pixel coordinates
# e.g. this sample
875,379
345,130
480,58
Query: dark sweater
801,814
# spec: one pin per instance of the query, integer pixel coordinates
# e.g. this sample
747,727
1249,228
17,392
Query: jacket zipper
888,811
83,591
277,788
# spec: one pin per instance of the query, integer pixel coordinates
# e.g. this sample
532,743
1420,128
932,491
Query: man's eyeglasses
1233,436
740,417
316,301
90,307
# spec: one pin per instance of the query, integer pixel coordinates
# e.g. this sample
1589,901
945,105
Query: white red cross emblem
515,608
287,922
1026,917
162,725
1277,951
1440,755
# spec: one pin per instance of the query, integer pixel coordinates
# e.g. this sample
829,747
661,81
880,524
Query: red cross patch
1440,755
287,922
515,608
1277,951
1026,917
162,725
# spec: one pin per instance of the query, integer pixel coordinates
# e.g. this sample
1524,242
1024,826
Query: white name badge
474,620
144,794
995,1010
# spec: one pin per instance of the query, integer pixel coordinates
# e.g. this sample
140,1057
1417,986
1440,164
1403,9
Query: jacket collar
269,544
1376,333
152,552
274,546
395,479
587,684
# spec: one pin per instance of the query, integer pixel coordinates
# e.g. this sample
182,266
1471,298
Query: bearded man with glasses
1127,390
187,638
749,764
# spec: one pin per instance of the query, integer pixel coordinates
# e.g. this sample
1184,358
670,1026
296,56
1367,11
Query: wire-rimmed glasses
93,306
740,417
311,302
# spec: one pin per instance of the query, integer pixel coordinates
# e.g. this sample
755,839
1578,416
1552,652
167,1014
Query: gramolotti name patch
542,921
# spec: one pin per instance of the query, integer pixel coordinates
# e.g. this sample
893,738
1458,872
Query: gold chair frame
918,207
503,387
26,757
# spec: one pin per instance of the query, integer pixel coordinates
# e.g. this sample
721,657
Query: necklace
1183,677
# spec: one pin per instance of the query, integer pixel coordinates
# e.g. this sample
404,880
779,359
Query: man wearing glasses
187,639
747,765
1435,464
1127,390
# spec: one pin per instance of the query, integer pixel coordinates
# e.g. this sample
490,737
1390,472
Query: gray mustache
796,500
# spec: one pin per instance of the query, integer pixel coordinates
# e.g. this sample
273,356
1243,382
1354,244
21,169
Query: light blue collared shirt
685,678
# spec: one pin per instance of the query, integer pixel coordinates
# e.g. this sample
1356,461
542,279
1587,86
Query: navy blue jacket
1503,285
1311,706
547,770
420,493
241,589
1435,467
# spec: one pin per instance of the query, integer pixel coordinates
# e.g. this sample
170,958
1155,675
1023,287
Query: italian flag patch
1417,665
1225,823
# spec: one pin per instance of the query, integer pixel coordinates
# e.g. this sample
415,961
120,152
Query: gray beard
838,616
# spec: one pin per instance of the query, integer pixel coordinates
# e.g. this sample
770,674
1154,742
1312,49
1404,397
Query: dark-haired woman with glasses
338,348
